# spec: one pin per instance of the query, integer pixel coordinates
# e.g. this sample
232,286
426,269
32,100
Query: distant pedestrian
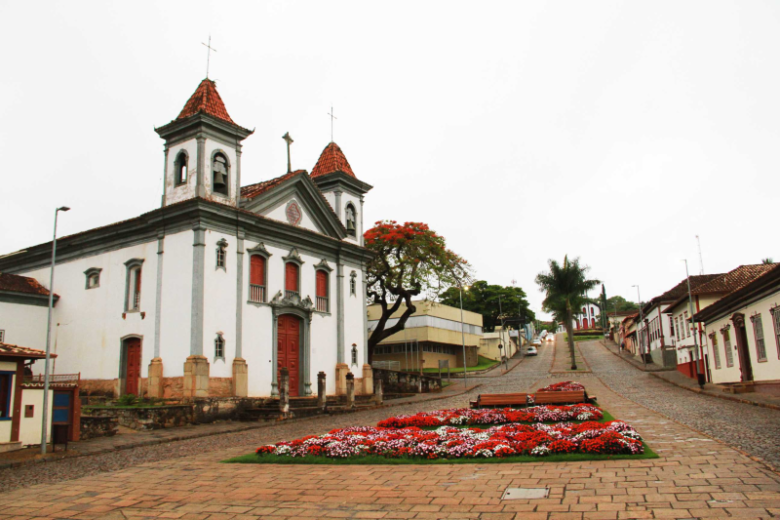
622,346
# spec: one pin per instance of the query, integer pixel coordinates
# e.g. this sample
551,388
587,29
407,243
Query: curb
718,396
638,367
200,435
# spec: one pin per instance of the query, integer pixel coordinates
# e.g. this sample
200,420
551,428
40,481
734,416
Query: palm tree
565,287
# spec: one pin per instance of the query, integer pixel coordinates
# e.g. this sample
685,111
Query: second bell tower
203,150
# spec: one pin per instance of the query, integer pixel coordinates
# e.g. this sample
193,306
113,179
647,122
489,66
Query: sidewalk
676,378
632,359
137,439
496,371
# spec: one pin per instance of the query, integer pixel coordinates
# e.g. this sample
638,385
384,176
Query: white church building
213,293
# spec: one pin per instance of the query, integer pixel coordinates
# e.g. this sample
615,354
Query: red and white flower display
565,386
466,416
448,442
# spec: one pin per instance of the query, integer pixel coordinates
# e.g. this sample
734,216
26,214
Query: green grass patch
484,364
583,337
254,458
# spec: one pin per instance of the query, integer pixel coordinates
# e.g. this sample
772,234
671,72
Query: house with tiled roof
743,331
685,335
23,310
222,286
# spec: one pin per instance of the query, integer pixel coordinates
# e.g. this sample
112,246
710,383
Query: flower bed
465,416
565,386
447,442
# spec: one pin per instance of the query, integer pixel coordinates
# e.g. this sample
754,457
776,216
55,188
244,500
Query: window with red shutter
291,278
322,291
256,278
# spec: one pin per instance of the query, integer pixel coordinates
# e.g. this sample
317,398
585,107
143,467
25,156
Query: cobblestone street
695,476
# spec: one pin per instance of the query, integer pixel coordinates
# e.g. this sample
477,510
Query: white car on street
531,351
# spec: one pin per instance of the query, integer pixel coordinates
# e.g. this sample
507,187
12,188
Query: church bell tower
203,150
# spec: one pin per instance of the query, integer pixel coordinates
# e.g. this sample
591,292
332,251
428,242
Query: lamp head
63,208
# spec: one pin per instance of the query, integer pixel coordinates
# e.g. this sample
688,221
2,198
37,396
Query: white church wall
220,303
89,323
184,191
280,213
331,198
176,303
24,324
354,313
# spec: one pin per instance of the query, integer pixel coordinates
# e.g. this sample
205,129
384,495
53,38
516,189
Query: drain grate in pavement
525,493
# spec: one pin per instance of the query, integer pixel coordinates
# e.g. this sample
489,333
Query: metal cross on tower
208,55
332,117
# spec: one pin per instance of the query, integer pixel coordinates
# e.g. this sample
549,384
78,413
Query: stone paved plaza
698,475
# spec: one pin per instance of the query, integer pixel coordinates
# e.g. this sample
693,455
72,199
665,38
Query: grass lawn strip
484,364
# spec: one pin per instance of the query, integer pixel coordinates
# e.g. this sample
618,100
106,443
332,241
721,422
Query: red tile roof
253,190
206,99
7,349
734,280
331,160
21,284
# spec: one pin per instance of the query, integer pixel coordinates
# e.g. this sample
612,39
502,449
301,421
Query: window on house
219,347
727,347
775,312
219,169
180,168
291,273
257,278
6,379
687,325
93,277
221,254
133,287
322,290
353,283
676,327
715,351
350,219
758,335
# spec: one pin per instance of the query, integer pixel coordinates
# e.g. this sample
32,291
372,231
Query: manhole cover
525,493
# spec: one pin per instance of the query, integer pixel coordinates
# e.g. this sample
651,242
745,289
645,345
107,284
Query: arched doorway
131,365
593,323
288,339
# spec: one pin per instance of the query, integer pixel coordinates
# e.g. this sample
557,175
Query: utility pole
697,355
641,322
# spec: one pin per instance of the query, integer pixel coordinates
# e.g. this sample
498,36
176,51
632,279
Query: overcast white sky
521,131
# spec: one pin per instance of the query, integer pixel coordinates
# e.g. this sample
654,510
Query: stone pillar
379,397
240,382
368,379
284,392
350,390
196,377
155,387
322,399
342,369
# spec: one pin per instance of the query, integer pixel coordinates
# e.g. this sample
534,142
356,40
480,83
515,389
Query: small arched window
133,285
93,277
220,172
350,219
222,254
180,168
353,283
219,347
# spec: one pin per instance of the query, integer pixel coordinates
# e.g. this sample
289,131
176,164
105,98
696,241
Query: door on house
746,367
288,355
133,364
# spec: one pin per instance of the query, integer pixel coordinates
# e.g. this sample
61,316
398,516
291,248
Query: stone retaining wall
97,426
406,382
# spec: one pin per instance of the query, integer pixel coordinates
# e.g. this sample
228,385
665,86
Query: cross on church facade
208,55
332,117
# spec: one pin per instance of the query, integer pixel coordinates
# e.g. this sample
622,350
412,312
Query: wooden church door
288,354
133,374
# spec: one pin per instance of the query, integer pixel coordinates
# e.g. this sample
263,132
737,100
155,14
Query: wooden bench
500,400
575,396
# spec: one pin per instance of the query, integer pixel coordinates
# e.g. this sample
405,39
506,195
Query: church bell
350,225
219,179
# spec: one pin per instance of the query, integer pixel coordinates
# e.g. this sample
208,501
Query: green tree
482,298
565,287
409,260
618,303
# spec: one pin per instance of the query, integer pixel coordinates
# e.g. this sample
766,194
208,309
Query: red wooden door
288,339
291,277
133,349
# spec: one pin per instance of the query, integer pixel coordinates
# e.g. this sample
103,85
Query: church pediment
295,199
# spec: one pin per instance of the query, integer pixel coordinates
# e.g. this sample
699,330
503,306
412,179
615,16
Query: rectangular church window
257,280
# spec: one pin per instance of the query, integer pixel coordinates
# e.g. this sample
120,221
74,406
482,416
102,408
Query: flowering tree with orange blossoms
409,260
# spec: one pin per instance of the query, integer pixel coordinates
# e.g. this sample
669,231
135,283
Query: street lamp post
463,334
641,322
48,334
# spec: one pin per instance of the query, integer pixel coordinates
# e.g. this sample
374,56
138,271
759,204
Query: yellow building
431,334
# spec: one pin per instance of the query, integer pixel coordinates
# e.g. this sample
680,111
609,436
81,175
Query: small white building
588,317
743,329
216,291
